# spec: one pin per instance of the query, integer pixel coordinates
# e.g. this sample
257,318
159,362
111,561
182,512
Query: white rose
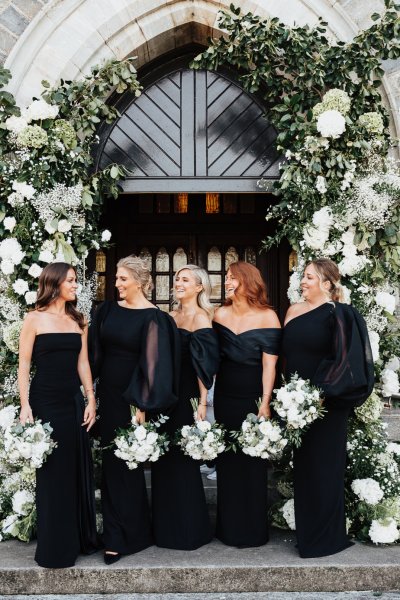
385,300
35,270
321,185
46,256
23,188
7,416
393,364
49,227
20,286
106,236
203,426
30,297
22,502
15,199
9,223
64,226
140,433
331,124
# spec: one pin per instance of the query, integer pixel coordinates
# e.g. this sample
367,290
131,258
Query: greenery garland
338,196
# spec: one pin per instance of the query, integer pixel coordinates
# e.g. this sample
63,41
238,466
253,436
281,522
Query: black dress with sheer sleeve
66,512
242,511
320,462
180,516
134,354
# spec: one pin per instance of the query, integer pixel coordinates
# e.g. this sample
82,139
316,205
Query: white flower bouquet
141,442
201,441
298,404
260,437
28,444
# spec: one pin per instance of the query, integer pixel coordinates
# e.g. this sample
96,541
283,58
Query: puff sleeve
204,351
271,341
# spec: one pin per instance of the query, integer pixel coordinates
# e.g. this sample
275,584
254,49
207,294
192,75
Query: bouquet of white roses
260,437
201,441
141,442
298,403
24,445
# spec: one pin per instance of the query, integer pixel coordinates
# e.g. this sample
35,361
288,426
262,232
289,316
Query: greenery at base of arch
338,196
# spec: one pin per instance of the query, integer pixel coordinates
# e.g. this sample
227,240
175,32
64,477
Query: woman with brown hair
327,342
249,337
54,337
135,354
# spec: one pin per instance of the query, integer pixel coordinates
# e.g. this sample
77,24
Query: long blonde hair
203,297
327,270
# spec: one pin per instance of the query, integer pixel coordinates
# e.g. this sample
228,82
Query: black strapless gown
242,518
320,462
66,516
180,516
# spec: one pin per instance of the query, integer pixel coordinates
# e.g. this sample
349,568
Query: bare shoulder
295,310
270,319
221,314
201,320
32,318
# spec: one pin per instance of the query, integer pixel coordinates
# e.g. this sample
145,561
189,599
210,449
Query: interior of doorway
211,230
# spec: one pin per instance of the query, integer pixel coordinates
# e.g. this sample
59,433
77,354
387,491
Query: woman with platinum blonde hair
326,342
180,517
135,355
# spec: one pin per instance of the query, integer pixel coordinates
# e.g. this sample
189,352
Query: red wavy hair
251,284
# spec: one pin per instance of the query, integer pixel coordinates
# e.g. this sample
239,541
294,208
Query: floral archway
338,195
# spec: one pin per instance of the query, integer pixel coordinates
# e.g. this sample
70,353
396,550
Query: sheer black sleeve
347,377
94,340
271,340
204,351
155,380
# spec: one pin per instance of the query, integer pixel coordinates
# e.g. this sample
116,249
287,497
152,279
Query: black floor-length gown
180,516
242,518
132,353
66,515
320,462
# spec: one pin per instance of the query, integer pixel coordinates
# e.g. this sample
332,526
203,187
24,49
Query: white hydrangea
368,490
39,110
10,254
16,124
390,383
374,341
352,264
7,416
294,292
22,502
288,514
20,286
320,184
106,235
393,448
7,266
386,301
9,223
331,124
393,363
23,188
30,297
384,531
346,295
315,238
35,270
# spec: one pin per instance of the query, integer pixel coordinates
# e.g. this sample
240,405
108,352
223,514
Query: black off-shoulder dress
134,352
242,519
180,517
320,462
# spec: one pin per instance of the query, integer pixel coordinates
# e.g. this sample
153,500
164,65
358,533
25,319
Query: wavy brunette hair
50,280
251,284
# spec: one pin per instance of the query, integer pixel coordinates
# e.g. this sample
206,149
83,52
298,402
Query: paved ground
230,596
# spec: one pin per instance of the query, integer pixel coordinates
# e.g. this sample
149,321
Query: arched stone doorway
195,145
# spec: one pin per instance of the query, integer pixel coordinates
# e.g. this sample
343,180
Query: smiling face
185,285
232,284
126,284
68,287
311,286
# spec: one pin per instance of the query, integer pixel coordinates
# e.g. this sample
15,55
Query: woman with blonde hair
249,336
327,342
54,337
135,355
180,517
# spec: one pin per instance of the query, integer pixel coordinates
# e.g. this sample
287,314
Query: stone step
391,416
215,568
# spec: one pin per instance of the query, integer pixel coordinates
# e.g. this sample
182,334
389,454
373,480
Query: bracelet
203,404
89,390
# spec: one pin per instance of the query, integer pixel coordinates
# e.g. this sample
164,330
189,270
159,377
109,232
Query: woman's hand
140,416
201,412
89,416
25,415
264,410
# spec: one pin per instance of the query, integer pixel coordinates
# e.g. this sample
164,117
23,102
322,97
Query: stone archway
67,37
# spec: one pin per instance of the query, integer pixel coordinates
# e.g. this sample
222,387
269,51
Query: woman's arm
85,376
26,341
268,380
202,408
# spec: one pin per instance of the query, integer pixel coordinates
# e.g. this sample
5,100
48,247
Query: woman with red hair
249,335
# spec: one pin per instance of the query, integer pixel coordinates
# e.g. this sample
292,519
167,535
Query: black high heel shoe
110,559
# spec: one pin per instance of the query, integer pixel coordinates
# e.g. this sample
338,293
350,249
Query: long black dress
320,462
180,516
66,514
132,352
241,479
